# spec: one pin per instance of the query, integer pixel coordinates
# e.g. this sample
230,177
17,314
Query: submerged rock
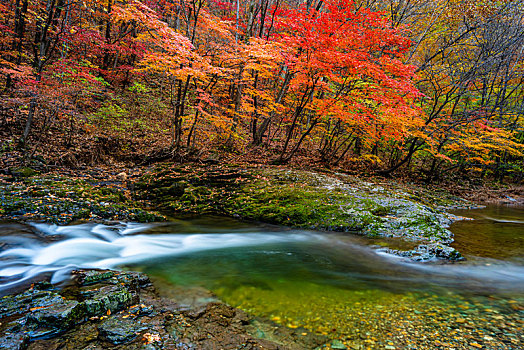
337,344
431,251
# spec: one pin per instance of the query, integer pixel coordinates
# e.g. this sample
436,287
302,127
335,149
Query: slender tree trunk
344,153
238,20
406,159
299,143
41,54
106,59
192,130
262,129
20,12
298,112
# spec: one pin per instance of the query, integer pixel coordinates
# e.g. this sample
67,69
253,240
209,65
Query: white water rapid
57,250
103,247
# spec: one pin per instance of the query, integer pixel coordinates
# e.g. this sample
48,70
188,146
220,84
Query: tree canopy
428,87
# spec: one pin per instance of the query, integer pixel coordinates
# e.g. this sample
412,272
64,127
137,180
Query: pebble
379,320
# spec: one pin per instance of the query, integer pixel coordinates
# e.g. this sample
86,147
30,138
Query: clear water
496,232
325,283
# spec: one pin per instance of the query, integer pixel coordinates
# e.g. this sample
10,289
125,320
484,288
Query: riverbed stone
15,341
109,299
117,330
442,251
337,344
61,315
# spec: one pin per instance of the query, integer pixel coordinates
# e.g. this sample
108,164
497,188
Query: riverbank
414,216
65,196
121,310
374,208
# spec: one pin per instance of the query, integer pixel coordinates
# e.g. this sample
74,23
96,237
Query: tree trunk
106,59
407,158
262,129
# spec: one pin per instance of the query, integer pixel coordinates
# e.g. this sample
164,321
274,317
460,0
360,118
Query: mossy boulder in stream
309,200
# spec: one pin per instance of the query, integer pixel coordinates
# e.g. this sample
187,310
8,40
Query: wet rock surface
296,198
121,310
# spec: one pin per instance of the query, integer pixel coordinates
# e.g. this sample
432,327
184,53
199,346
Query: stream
329,283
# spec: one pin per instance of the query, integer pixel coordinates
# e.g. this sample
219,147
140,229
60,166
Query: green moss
23,172
63,200
381,210
273,196
299,199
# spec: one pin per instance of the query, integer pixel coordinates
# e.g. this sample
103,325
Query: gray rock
440,251
14,341
59,316
110,298
117,330
92,277
11,305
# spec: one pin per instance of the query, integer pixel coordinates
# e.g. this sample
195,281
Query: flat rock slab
118,330
54,318
39,313
110,299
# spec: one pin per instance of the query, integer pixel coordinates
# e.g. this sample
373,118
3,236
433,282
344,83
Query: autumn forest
432,89
262,174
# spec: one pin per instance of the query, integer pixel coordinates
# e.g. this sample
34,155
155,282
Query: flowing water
327,283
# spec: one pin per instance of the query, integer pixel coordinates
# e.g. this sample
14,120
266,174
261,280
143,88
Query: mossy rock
23,172
117,330
303,199
62,200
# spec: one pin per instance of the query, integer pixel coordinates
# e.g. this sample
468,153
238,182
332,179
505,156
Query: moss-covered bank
283,196
310,200
60,199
